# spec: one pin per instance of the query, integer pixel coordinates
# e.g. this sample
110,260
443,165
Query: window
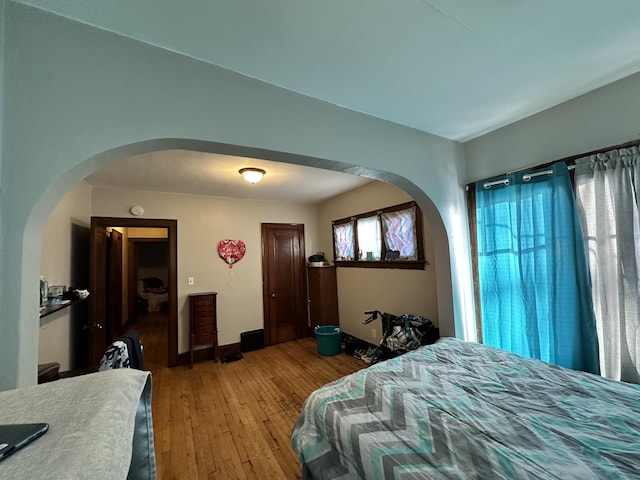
387,238
606,197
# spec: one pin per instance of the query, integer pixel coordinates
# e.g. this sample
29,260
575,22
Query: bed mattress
461,410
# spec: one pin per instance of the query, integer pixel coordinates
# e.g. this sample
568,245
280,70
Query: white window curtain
369,238
607,197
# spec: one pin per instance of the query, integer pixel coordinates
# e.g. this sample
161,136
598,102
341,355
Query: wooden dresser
203,324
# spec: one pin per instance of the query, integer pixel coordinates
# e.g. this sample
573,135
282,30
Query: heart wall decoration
231,251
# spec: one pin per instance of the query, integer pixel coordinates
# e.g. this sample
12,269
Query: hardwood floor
234,420
153,330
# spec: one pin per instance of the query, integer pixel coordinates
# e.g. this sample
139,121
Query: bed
100,427
462,410
152,293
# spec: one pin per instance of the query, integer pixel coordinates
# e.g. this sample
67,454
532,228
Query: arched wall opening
211,147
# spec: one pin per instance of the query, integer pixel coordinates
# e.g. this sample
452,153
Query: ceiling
453,68
217,175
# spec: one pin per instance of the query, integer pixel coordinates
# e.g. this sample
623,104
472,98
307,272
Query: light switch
191,281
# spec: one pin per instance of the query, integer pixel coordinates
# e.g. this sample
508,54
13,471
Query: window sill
403,264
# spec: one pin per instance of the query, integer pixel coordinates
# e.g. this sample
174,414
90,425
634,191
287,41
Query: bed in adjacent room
462,410
153,293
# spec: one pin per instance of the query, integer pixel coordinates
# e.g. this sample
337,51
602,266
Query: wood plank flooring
234,420
154,333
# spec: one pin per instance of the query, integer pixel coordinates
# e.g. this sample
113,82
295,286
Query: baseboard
206,354
228,350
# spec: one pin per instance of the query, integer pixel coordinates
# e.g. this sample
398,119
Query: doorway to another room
134,286
148,299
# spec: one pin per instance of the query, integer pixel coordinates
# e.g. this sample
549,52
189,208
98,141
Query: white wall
388,290
55,266
605,117
202,222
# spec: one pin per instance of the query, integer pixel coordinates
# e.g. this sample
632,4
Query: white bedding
154,299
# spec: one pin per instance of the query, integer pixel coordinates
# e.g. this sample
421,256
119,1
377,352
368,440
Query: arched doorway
271,155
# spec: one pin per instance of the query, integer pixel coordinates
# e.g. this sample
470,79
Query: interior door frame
97,277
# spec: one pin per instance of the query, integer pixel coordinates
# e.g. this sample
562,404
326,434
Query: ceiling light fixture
251,174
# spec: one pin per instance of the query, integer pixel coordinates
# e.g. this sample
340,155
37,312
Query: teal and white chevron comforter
461,410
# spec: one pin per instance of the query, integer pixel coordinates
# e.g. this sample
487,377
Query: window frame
418,264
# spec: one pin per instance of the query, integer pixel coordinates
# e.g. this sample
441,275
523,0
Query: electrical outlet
374,333
191,281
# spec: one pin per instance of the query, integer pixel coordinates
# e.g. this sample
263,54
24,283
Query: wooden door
114,324
97,297
284,285
79,313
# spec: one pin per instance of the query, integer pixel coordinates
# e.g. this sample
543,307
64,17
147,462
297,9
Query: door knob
273,295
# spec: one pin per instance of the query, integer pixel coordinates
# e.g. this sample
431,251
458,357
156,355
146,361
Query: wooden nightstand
203,324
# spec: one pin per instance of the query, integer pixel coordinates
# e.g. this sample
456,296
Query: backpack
125,352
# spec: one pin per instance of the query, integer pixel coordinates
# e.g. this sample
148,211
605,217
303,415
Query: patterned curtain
400,233
343,235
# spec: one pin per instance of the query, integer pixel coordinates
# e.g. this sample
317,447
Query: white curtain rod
504,181
528,176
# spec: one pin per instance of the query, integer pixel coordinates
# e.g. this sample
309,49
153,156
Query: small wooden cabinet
203,323
323,296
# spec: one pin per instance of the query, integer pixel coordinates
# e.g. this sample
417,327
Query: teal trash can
328,337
